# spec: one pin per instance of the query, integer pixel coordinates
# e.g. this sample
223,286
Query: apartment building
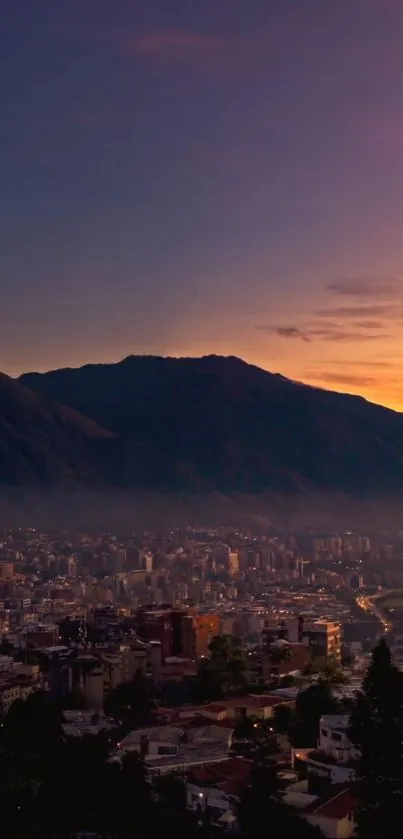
322,637
334,758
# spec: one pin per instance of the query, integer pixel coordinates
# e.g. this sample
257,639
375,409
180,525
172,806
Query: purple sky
195,176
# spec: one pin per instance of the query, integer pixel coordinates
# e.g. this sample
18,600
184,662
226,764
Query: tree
261,810
75,700
32,727
329,670
283,718
255,739
171,816
347,658
74,801
225,671
376,730
289,681
279,653
31,747
130,703
311,704
53,786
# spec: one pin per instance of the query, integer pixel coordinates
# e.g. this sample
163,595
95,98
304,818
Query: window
323,732
336,737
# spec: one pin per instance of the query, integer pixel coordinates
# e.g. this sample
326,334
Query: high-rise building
233,562
148,562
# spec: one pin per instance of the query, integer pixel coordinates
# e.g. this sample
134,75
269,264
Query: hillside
219,423
45,444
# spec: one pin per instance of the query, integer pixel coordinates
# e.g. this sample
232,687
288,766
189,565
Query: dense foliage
225,671
377,732
57,786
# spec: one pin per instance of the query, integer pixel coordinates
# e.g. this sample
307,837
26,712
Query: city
201,419
123,633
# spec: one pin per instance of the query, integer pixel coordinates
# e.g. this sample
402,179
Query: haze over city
182,178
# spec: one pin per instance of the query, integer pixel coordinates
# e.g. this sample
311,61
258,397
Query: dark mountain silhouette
219,423
43,443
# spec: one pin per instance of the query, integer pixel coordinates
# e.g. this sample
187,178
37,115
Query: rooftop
336,721
230,775
338,803
250,701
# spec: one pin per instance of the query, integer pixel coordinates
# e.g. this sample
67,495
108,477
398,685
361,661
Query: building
6,570
252,705
233,563
284,657
40,636
334,814
334,758
197,633
157,625
148,562
87,677
172,748
213,790
323,638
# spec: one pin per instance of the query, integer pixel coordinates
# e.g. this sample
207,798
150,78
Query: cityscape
122,634
201,419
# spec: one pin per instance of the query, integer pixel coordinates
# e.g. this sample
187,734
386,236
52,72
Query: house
333,737
15,688
333,760
214,790
334,814
171,748
236,707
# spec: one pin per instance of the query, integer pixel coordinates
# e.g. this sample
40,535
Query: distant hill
46,444
217,424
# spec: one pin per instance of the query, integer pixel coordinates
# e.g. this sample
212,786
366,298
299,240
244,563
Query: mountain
46,444
220,424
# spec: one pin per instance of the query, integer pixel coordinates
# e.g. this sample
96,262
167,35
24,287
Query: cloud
339,335
327,332
342,379
381,288
370,311
285,332
178,45
369,324
384,365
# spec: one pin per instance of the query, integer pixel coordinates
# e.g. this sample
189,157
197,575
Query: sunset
184,179
201,419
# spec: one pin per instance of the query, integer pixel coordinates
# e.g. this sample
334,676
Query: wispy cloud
320,333
342,379
290,332
345,336
381,288
365,311
369,324
370,363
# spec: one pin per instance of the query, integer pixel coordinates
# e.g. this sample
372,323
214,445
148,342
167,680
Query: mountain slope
220,423
45,444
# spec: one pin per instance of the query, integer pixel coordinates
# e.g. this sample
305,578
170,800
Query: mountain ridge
211,357
43,442
220,424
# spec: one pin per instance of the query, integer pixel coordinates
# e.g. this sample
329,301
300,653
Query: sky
186,177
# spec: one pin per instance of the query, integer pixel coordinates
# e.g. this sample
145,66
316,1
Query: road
368,604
